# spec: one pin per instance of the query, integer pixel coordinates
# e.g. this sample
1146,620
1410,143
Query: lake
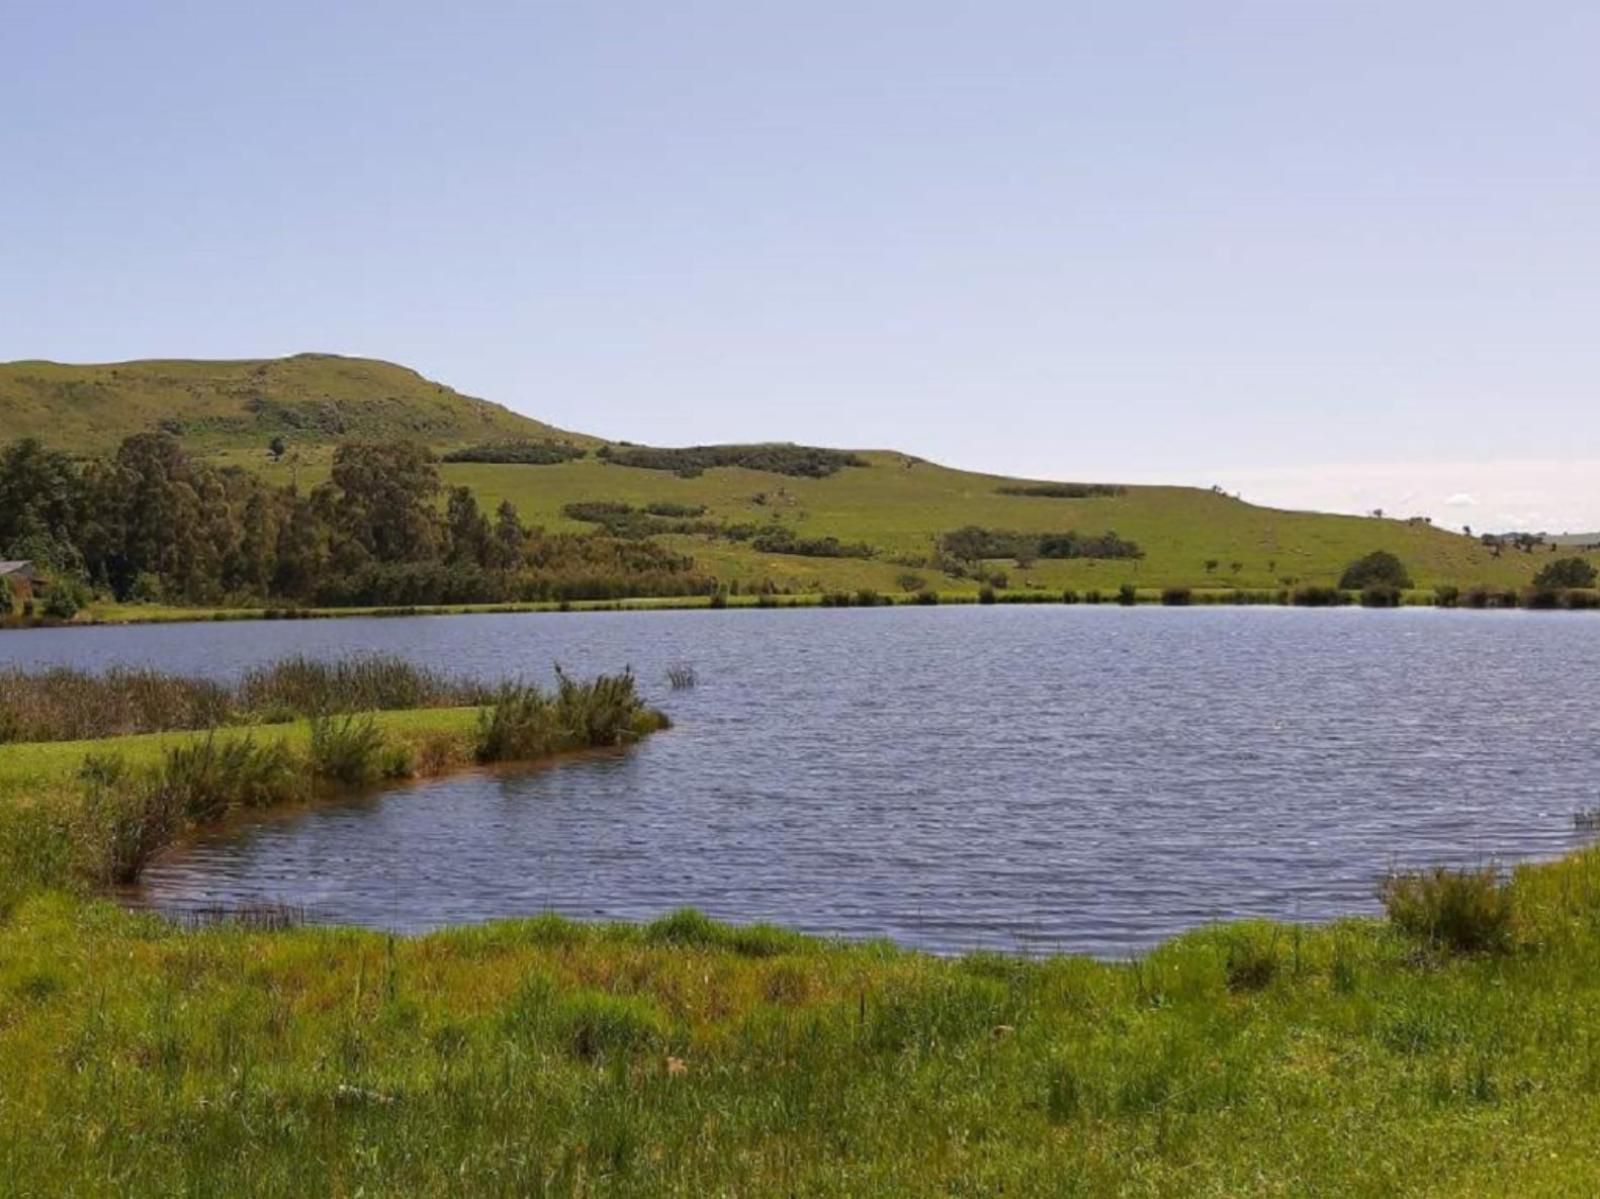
1028,778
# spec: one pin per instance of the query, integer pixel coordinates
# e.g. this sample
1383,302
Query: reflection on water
1023,778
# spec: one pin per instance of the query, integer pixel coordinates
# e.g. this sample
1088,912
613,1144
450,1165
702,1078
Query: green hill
308,399
887,509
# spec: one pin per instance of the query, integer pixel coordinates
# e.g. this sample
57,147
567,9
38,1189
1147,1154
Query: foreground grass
684,1057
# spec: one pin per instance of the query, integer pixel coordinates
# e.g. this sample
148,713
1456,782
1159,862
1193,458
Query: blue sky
1338,255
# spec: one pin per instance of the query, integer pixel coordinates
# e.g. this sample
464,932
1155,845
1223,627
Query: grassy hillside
899,505
896,504
309,400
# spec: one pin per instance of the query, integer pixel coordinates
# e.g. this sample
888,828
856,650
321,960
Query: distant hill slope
896,506
308,399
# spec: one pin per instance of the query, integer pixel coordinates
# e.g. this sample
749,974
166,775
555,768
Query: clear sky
1334,254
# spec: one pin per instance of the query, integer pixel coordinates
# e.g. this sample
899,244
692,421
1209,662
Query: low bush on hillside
778,458
1565,573
780,539
1378,568
518,453
1063,491
1177,597
974,544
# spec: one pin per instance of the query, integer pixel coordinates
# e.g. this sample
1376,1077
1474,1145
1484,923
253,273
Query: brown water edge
135,897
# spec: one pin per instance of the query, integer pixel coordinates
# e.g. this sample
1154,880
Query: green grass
545,1057
235,408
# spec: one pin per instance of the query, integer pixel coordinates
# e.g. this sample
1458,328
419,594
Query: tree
1380,567
467,528
1567,572
384,502
506,544
278,447
1211,565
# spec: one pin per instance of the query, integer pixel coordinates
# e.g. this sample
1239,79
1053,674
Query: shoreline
127,615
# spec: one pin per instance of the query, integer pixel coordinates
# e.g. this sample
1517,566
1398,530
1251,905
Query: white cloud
1461,499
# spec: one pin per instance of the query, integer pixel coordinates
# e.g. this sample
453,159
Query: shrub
1069,596
519,725
719,599
1063,491
1465,911
927,597
349,750
797,460
65,598
1567,572
909,582
1380,595
1542,598
986,595
1378,567
866,597
518,452
1177,597
1318,597
1092,596
1127,595
200,782
1578,600
1446,595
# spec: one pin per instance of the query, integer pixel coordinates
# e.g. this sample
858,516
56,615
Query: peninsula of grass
99,773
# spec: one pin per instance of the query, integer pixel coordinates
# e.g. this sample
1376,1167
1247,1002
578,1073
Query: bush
1577,600
866,597
927,597
349,750
1380,567
909,582
65,598
1063,491
1177,597
1380,595
520,453
1446,595
1069,596
1567,572
1127,595
1541,598
986,595
1465,911
797,460
1318,597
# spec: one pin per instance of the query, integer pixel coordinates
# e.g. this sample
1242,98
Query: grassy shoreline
686,1057
111,614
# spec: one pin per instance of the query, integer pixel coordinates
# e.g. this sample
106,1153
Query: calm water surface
1024,778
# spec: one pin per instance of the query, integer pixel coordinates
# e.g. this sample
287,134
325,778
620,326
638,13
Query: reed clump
67,704
525,721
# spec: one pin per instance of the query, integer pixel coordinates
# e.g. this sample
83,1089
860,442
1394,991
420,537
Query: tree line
150,522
